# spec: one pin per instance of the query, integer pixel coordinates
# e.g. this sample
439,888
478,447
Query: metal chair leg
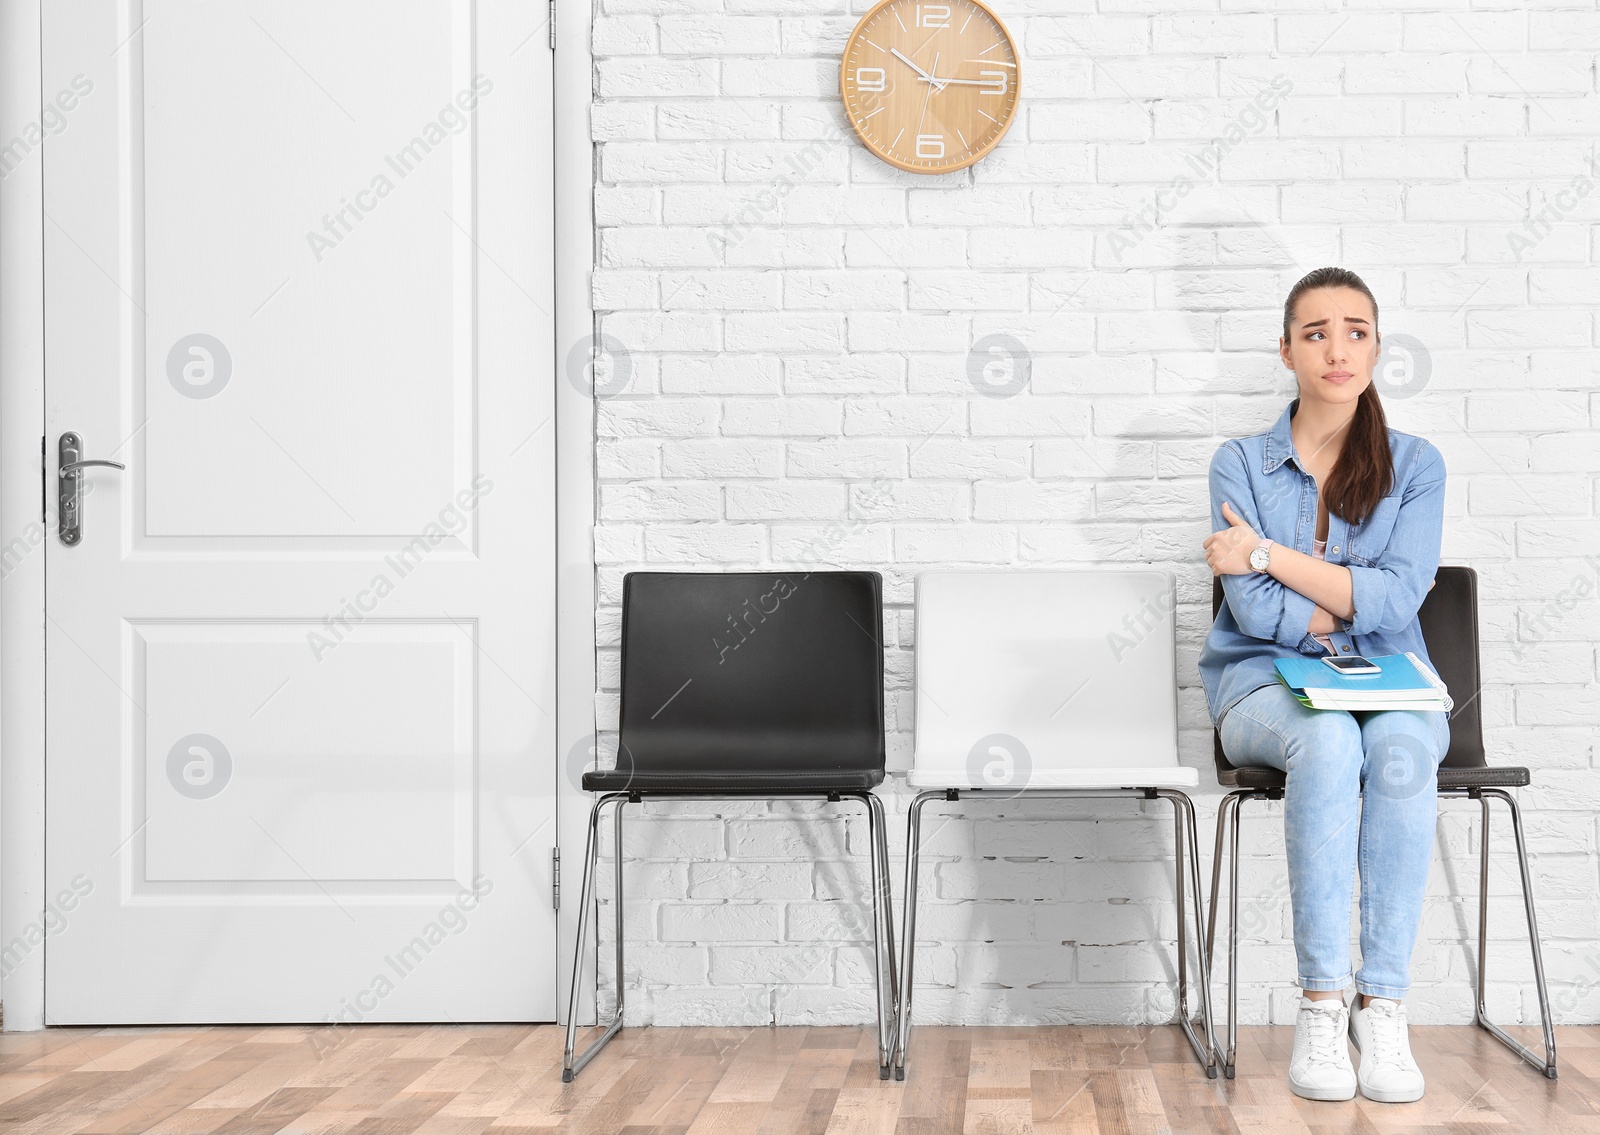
908,929
1216,882
1227,823
1548,1064
1483,907
616,847
888,915
570,1067
1233,936
882,930
1184,825
1187,862
1204,964
882,933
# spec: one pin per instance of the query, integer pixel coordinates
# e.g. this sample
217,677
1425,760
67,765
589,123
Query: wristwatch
1261,555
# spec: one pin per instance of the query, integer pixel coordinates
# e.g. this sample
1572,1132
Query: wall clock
930,88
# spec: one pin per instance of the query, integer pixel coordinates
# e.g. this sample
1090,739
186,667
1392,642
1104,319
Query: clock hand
963,82
895,51
923,116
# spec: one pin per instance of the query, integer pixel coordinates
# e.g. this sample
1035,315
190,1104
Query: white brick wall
798,317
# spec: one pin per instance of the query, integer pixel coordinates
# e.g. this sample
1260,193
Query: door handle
71,470
69,498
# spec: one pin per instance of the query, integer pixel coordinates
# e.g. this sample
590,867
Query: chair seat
1161,776
754,783
1262,776
1509,776
1249,776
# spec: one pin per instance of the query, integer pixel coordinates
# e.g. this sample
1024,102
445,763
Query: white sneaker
1388,1073
1320,1068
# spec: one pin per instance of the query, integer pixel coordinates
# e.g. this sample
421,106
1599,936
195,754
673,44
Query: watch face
930,88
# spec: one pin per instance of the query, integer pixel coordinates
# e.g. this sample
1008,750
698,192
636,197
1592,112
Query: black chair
1449,618
747,685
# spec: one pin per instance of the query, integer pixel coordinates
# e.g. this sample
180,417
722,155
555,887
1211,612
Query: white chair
1051,684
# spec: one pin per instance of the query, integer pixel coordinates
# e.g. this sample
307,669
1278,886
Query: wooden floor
461,1080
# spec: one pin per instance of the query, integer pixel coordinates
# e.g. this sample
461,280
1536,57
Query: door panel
372,758
301,216
300,665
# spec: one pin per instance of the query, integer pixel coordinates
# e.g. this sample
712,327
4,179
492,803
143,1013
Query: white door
300,660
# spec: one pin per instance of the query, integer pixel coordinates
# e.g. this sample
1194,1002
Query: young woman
1326,533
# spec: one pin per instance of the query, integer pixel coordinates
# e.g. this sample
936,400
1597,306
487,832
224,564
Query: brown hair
1364,473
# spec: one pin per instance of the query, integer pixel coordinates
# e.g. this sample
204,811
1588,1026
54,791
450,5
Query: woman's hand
1228,551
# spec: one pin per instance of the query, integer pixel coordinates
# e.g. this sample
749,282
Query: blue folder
1403,681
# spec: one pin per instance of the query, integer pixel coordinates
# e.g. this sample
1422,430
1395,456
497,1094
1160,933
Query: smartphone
1351,664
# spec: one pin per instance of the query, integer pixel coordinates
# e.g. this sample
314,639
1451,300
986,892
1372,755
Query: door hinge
555,877
552,25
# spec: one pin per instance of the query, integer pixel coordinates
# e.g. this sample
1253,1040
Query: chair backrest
1079,666
1449,619
752,671
1217,755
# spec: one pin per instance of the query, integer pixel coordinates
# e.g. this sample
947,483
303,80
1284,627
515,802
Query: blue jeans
1362,788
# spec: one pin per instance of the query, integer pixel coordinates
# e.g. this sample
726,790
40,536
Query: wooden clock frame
975,156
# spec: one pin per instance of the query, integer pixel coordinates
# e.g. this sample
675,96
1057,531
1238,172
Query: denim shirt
1392,556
